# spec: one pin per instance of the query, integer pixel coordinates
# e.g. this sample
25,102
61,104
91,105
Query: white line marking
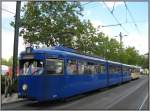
117,99
143,102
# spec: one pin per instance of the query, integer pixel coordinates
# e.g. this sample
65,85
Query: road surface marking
143,102
124,95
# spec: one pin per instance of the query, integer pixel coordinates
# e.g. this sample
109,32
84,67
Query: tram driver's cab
29,65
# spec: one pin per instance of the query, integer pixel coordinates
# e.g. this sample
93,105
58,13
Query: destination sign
28,57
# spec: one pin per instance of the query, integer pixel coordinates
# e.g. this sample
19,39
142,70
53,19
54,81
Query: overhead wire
111,13
115,18
110,25
136,26
86,3
131,22
113,8
126,15
7,11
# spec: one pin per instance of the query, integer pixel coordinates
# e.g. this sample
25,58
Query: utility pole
121,36
16,39
121,43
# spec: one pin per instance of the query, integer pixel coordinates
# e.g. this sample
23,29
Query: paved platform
10,99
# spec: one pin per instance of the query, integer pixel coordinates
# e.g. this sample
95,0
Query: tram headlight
24,87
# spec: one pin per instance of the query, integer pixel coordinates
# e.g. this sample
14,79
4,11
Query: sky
99,15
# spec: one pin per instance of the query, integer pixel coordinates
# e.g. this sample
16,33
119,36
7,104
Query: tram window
54,66
81,67
87,67
72,67
90,68
132,70
118,69
28,67
138,70
111,69
93,69
125,70
114,69
101,68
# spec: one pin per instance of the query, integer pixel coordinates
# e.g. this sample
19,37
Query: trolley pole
16,40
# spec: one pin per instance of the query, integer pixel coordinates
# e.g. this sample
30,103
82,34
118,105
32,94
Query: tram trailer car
58,72
135,72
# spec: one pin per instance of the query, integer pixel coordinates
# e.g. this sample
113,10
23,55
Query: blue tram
58,72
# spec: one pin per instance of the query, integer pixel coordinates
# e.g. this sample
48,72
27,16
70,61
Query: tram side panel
83,81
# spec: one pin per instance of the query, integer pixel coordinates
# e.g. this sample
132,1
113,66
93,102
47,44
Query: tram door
115,75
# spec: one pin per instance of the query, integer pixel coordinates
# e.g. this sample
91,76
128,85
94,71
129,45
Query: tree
85,40
132,56
58,23
7,62
144,61
4,62
51,23
105,47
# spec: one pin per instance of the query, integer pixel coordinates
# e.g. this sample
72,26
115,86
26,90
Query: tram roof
126,65
64,51
114,62
71,52
135,66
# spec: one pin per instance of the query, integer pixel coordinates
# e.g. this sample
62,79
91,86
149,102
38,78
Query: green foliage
4,62
144,62
51,23
85,40
58,23
132,55
8,62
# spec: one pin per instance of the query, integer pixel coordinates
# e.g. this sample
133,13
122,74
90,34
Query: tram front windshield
31,67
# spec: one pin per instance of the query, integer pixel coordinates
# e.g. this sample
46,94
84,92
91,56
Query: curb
16,101
11,99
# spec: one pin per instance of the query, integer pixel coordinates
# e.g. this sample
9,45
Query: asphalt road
133,95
